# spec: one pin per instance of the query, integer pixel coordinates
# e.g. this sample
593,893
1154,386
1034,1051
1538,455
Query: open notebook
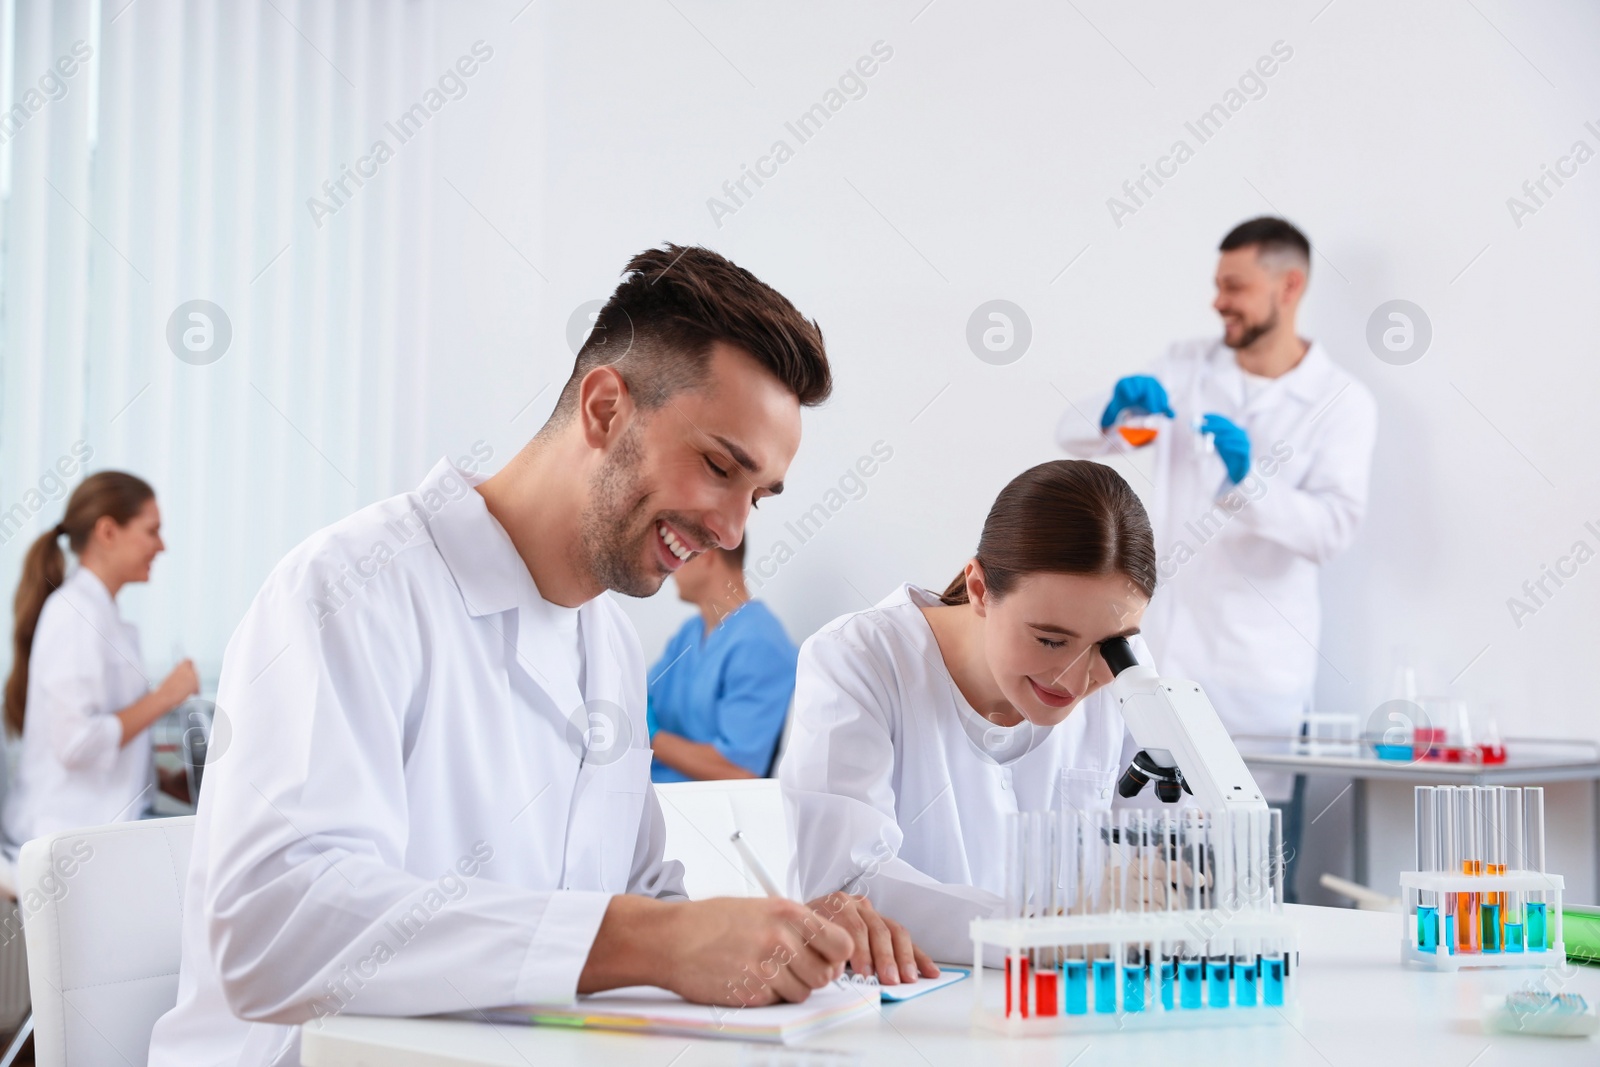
910,990
646,1009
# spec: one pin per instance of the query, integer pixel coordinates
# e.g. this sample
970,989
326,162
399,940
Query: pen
752,863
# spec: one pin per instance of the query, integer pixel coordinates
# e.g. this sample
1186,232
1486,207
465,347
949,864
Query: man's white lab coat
396,819
1237,608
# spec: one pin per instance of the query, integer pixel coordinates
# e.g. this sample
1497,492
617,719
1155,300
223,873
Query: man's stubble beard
1252,334
616,501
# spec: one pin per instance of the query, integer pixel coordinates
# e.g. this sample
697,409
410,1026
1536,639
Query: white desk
1360,1007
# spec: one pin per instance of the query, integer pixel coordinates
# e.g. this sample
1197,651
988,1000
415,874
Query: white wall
977,165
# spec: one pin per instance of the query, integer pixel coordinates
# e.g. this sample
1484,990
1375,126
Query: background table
1360,1007
1534,762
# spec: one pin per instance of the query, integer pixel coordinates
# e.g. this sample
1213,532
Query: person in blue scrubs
720,692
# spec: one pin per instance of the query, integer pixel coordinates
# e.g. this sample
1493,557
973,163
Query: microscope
1184,748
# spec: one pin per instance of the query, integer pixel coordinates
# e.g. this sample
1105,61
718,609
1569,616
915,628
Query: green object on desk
1580,929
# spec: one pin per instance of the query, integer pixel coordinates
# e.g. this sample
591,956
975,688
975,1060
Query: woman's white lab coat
1237,608
406,819
73,769
895,787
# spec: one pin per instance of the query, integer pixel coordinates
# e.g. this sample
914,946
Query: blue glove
1233,445
1141,393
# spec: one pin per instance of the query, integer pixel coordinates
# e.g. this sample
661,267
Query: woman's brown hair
106,494
1068,516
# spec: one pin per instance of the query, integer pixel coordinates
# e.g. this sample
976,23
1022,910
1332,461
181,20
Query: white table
1360,1007
1533,762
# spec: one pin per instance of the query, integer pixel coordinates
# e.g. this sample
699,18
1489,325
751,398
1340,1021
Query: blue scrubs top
730,689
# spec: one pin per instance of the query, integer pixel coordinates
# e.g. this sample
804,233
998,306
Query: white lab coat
895,787
73,769
1237,608
400,824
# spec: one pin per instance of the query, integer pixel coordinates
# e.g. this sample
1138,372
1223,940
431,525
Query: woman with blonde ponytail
78,694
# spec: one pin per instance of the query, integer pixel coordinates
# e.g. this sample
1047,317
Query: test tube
1274,966
1136,957
1511,930
1493,804
1078,856
1046,991
1449,858
1468,840
1113,855
1275,843
1272,980
1244,973
1538,918
1254,885
1427,828
1169,976
1189,980
1135,962
1016,908
1105,985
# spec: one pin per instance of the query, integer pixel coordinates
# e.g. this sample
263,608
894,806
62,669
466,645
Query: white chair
104,910
701,818
783,740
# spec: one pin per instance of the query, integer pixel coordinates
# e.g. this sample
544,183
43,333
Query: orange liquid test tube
1468,932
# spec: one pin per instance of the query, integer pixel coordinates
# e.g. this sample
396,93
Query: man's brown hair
672,304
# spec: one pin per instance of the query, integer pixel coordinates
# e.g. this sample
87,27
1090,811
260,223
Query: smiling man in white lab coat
436,796
1259,478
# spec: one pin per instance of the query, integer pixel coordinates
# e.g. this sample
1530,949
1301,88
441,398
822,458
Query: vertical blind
159,152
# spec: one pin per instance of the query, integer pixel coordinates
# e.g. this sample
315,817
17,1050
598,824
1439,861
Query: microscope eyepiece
1118,654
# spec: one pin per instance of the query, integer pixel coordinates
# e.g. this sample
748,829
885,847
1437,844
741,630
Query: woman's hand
181,684
882,947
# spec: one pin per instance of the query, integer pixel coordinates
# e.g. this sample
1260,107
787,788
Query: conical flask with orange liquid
1138,428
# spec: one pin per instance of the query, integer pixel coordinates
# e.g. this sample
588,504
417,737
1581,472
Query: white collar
479,553
86,585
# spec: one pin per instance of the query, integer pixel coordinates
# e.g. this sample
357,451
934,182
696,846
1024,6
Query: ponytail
1068,516
43,570
956,592
110,494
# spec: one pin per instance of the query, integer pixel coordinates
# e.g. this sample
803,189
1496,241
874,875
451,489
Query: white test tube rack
1482,899
1098,938
1447,957
1139,920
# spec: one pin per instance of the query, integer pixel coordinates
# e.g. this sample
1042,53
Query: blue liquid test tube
1076,974
1169,982
1428,928
1245,980
1105,987
1513,932
1133,987
1272,982
1538,911
1189,983
1217,987
1427,836
1446,859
